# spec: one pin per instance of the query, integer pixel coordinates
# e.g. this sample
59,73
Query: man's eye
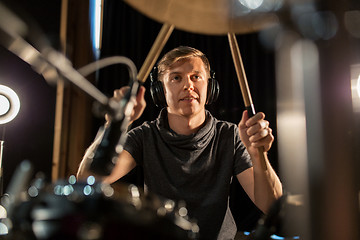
176,78
196,77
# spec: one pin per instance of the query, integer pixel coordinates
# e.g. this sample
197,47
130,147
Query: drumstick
240,71
155,51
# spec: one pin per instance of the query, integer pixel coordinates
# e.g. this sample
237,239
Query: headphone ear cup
157,92
212,91
156,89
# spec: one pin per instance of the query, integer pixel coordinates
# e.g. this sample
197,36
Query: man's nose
189,84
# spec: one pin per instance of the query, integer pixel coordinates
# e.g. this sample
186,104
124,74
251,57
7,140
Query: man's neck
186,125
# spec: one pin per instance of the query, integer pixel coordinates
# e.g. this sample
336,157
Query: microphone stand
53,64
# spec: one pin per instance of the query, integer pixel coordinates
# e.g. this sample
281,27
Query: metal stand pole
1,168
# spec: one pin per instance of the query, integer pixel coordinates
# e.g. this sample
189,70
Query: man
187,154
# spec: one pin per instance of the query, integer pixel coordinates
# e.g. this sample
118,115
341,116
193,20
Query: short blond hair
178,54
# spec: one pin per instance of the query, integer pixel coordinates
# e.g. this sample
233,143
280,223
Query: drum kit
89,210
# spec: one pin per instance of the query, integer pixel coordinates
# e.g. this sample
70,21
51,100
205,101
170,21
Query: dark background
129,33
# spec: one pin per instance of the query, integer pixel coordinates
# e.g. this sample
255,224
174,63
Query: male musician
187,154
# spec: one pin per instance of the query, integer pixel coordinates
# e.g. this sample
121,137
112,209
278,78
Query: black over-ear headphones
158,95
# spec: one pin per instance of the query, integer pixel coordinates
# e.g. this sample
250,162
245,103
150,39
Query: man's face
185,87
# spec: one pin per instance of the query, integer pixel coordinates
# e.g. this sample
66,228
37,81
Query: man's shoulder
144,126
225,125
221,123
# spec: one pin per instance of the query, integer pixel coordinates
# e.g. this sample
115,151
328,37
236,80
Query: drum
251,236
272,224
91,211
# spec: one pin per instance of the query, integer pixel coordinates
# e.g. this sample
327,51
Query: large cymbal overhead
212,17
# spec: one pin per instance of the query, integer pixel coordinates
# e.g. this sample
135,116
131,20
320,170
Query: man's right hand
139,104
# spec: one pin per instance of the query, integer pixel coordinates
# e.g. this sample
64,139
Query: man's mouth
189,98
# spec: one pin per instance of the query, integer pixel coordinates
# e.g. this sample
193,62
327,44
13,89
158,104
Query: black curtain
127,32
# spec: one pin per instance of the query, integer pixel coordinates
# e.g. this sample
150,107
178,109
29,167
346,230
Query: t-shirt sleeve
134,144
242,160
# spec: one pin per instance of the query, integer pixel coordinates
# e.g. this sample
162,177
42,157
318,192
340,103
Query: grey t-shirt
196,168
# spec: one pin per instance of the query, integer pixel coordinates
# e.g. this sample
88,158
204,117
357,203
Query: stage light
355,87
253,4
9,108
4,105
9,104
3,229
96,21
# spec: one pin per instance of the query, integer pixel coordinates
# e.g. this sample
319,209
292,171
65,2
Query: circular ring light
9,104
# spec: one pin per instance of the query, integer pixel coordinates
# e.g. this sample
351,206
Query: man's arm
262,186
125,163
128,164
83,170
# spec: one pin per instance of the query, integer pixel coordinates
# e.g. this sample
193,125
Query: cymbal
211,17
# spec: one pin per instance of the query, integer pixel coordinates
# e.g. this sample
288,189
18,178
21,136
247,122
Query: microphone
114,136
48,62
104,158
52,64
